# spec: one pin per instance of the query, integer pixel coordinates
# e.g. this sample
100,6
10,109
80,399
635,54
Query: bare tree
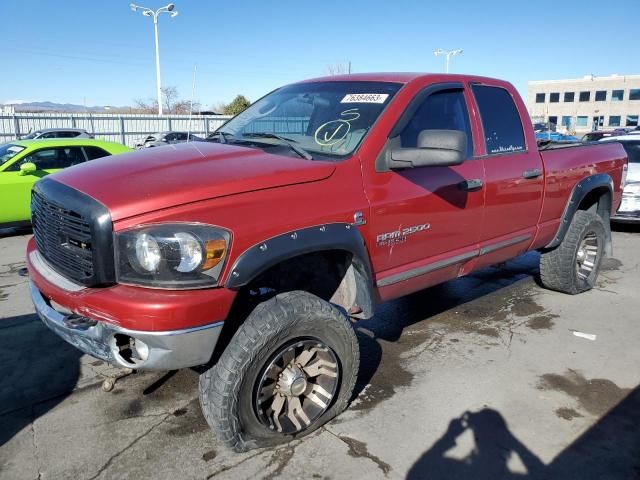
145,106
339,68
169,98
218,107
171,103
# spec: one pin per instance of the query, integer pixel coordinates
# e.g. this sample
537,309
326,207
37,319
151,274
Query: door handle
471,185
533,173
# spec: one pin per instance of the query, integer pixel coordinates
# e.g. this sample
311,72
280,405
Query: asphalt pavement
485,377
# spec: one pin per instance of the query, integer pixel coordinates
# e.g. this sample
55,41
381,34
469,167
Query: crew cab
250,254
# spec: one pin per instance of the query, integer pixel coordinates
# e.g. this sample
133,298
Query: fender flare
332,236
578,194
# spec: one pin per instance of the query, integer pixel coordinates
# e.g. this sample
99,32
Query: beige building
587,103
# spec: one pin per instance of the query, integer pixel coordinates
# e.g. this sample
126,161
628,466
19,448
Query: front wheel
574,265
290,368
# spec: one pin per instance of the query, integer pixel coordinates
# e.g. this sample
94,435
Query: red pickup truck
250,253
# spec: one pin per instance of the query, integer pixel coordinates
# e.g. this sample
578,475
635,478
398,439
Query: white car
160,139
629,211
57,133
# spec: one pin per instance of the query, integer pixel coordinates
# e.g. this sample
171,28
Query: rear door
514,176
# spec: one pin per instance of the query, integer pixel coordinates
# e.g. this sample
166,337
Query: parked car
544,127
556,137
600,134
629,211
23,162
272,236
166,138
57,133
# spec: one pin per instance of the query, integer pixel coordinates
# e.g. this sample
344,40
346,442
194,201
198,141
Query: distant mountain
58,107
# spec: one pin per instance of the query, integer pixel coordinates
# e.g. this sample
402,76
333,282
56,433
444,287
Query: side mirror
436,148
28,168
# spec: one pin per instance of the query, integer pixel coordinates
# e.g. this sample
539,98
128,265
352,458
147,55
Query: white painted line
588,336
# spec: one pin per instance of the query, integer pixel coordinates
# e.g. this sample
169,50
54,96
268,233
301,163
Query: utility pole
147,12
448,54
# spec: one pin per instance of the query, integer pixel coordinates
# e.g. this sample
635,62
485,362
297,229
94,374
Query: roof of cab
401,77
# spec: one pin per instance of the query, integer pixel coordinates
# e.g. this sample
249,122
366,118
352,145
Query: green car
23,162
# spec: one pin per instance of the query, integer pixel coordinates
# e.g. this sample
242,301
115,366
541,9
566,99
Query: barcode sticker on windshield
365,98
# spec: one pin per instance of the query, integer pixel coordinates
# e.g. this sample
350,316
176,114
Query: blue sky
99,51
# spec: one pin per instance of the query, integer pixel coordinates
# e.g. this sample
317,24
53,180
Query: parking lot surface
488,376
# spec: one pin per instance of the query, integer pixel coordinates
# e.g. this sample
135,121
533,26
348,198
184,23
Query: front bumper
168,350
629,209
626,217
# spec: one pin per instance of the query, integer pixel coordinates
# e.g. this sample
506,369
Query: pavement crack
358,449
281,457
131,444
234,465
34,441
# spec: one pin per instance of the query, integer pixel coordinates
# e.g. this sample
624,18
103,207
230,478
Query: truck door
514,176
425,221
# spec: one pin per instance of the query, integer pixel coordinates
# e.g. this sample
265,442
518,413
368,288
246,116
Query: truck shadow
38,370
382,335
609,449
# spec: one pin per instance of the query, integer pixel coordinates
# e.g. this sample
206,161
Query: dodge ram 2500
250,253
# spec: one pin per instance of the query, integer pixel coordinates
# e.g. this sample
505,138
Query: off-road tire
558,266
227,388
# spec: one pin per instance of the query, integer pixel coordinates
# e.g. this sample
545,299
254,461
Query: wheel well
336,276
599,201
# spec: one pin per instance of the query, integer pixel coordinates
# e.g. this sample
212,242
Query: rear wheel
290,368
574,265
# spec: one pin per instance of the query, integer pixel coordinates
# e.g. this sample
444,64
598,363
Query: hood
135,183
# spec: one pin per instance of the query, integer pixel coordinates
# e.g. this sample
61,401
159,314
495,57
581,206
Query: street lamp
147,12
448,53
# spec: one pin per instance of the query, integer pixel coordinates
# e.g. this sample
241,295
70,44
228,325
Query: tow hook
110,382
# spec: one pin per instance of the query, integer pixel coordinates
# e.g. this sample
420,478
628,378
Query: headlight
171,256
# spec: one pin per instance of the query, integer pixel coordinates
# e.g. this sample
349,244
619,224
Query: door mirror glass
435,148
27,168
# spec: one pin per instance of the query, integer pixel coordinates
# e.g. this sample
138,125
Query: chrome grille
63,238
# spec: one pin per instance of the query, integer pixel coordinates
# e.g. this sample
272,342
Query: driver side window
443,110
52,158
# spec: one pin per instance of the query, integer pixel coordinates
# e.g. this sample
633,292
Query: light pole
448,54
147,12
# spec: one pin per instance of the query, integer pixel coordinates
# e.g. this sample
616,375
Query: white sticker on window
365,98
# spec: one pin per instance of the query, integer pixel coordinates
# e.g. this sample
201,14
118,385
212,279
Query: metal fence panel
123,128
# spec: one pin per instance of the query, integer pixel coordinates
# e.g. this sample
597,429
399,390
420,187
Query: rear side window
500,120
444,110
69,134
95,152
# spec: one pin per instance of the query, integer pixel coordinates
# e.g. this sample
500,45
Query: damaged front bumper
142,350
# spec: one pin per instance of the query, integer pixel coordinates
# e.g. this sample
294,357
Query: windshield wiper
287,141
224,136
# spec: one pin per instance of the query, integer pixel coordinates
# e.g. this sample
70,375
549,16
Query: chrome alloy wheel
297,386
587,255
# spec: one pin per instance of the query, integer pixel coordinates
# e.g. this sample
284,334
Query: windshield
633,151
32,135
326,119
8,151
